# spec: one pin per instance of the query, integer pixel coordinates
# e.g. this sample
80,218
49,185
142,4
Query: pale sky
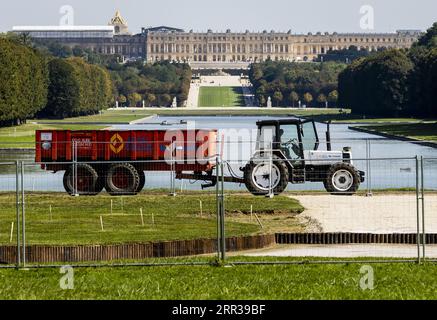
255,15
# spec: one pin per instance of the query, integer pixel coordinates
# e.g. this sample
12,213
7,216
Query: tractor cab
292,138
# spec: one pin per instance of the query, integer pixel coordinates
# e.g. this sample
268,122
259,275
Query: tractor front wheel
342,179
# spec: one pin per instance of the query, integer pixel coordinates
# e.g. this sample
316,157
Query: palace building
166,43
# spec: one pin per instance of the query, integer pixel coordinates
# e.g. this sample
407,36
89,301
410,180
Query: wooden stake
101,223
251,212
201,210
12,231
153,220
259,221
142,218
111,207
50,210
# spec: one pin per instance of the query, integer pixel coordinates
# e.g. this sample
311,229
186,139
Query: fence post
23,215
222,212
271,193
418,211
172,171
368,164
422,197
217,197
75,191
17,209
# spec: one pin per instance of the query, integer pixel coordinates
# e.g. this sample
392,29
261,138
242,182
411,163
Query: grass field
57,218
247,282
221,97
24,136
420,131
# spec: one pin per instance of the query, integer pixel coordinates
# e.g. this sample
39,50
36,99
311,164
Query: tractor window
289,138
266,137
309,136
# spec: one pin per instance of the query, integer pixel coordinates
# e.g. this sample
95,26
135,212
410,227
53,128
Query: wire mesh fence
320,204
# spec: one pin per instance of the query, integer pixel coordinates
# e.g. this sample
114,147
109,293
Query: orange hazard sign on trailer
117,143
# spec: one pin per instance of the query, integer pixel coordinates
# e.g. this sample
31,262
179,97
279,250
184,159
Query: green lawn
221,97
24,136
248,282
76,220
420,131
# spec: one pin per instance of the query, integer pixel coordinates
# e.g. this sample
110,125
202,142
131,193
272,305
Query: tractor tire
122,179
88,180
142,180
257,176
342,179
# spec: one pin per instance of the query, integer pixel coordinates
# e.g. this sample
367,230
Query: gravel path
378,214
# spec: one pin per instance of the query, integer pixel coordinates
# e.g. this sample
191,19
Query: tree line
155,84
33,83
394,82
288,83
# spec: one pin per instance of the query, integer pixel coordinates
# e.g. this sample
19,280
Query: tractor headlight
46,145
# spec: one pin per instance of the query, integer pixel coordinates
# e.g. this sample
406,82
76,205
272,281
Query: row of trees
155,84
76,88
34,83
287,83
394,82
24,80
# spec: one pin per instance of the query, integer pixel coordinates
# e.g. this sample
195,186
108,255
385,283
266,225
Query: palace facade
166,43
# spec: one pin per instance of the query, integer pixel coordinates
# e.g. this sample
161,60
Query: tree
377,85
294,97
134,99
63,91
166,100
278,97
333,97
150,98
122,100
321,99
308,98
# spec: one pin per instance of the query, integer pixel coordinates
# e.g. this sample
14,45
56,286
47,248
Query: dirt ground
382,213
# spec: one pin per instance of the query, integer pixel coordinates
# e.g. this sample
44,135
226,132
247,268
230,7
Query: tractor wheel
122,179
87,179
342,179
258,175
142,180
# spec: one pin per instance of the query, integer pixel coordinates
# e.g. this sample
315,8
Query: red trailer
116,160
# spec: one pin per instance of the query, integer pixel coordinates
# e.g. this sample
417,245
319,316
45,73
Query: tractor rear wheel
260,177
122,179
342,179
86,181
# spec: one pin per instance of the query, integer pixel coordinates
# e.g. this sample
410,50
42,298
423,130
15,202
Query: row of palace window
220,48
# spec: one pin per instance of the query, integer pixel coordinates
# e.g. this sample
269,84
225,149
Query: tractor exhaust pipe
328,136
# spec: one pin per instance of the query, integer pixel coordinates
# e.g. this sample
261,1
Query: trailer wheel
257,176
88,180
342,179
122,179
142,180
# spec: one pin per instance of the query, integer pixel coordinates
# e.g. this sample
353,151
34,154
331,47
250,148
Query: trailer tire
254,169
122,179
88,181
342,179
142,180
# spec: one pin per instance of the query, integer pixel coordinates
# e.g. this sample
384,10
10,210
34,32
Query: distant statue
269,102
174,103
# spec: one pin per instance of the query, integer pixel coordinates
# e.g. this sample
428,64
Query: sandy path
378,214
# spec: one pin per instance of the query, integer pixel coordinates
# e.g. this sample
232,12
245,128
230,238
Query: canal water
392,164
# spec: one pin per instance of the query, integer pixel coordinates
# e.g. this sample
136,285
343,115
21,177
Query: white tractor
287,151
